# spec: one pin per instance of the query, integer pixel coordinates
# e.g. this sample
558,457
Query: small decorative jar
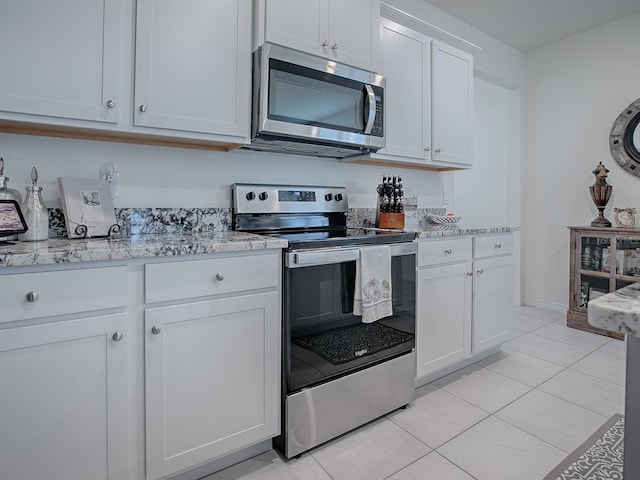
35,212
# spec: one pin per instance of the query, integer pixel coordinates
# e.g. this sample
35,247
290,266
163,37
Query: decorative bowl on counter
449,219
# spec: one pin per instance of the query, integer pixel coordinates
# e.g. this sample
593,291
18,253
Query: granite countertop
617,311
435,231
64,250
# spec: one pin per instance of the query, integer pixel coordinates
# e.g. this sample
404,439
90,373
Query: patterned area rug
599,458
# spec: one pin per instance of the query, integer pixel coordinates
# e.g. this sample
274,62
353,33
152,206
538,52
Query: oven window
324,340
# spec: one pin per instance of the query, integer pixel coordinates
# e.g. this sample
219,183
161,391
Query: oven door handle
339,255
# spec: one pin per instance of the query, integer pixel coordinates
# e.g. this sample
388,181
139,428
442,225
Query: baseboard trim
421,381
554,306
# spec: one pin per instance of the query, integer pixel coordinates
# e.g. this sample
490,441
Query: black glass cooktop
339,237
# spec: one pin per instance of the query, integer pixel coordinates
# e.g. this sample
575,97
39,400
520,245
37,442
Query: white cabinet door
405,61
60,59
354,32
452,104
299,24
492,302
193,64
443,323
63,407
344,31
212,379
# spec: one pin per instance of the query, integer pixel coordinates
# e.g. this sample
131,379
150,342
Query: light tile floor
514,415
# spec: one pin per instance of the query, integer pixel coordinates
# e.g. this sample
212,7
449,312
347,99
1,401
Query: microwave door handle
370,109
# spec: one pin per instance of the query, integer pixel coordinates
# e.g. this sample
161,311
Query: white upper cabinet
193,66
343,31
452,105
60,60
405,61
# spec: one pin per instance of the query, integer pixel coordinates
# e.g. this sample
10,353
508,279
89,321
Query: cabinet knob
428,149
498,245
448,251
219,276
32,297
142,108
325,43
480,272
469,274
117,336
334,47
438,150
156,329
111,103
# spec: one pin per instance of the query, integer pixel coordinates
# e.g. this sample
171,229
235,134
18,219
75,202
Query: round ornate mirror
624,139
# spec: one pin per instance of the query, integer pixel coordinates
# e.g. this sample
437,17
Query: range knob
328,197
251,196
263,196
338,197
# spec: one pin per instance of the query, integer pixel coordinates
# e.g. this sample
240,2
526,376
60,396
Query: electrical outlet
109,173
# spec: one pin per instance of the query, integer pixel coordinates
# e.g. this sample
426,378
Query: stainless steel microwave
309,105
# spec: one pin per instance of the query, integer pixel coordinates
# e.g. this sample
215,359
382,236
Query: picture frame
88,207
11,219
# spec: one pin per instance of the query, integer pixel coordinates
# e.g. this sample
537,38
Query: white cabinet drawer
436,252
492,246
200,278
40,294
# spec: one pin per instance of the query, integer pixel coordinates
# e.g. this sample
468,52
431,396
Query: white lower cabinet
212,374
443,330
464,299
63,407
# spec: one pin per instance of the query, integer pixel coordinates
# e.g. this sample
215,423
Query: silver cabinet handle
111,103
325,43
32,297
156,329
219,276
334,47
428,149
438,150
142,108
117,336
448,251
498,245
469,274
480,272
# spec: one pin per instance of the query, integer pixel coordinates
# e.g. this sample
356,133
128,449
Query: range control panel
259,198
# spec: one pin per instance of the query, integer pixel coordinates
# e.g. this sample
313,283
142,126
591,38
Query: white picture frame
87,202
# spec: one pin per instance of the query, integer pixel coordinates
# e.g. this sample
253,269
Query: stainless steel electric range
337,372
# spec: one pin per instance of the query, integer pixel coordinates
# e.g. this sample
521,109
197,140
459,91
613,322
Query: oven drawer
492,246
201,278
44,294
437,252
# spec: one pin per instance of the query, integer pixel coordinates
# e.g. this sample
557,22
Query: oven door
307,97
322,339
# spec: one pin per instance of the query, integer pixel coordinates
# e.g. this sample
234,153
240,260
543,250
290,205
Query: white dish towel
372,296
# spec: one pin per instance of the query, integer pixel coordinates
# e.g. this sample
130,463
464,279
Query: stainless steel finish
316,415
371,105
448,251
111,103
220,276
334,47
117,336
286,137
142,108
325,256
156,329
245,199
32,297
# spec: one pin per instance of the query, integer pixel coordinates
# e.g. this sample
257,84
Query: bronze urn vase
600,194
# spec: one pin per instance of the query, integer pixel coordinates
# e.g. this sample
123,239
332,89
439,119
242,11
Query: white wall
575,89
